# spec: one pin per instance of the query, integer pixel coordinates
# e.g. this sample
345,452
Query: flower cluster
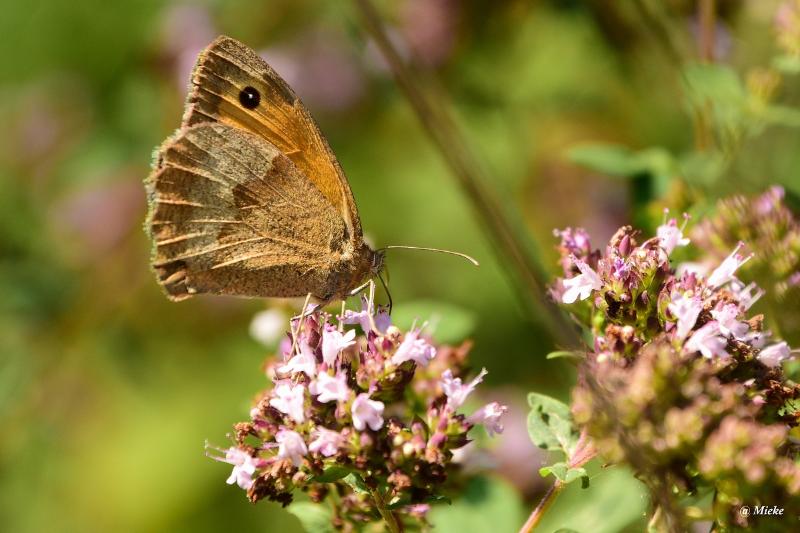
681,381
370,422
766,225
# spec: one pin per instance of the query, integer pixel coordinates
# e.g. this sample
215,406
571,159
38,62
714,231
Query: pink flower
725,315
244,466
686,310
329,388
724,272
381,318
327,442
745,294
333,342
671,236
575,240
289,399
582,285
366,412
303,362
489,415
292,446
707,341
456,391
774,355
414,349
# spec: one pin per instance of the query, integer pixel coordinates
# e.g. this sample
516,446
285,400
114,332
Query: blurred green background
108,391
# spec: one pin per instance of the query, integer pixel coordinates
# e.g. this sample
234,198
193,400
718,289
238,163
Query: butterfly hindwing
231,214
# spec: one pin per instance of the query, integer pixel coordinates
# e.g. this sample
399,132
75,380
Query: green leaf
610,159
333,473
487,504
356,482
703,168
614,502
314,517
620,161
787,64
447,323
564,473
717,83
565,354
781,115
550,424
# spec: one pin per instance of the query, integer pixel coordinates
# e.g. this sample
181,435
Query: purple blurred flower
726,316
290,399
455,390
725,272
304,362
333,342
329,388
671,236
244,467
414,348
367,412
326,442
582,285
381,319
686,309
292,446
708,341
774,355
489,415
745,294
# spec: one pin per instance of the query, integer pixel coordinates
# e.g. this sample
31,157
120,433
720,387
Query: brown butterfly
246,198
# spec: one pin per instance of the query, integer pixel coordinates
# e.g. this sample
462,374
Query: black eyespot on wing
250,97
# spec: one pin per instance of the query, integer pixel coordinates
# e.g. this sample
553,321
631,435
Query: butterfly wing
230,214
223,71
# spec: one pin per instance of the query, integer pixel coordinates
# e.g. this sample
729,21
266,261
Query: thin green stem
386,514
583,453
514,249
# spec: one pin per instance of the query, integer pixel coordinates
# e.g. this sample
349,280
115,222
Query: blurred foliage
108,391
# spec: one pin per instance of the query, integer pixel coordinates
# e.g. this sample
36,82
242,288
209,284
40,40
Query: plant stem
538,512
707,20
516,252
583,453
706,41
388,516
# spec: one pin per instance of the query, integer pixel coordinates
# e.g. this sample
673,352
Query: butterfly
247,198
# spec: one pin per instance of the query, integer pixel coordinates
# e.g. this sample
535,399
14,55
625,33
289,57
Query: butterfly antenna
386,288
450,252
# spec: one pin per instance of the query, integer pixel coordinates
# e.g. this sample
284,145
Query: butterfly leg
370,300
301,319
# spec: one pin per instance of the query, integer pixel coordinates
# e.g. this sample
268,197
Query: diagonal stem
514,249
583,453
388,516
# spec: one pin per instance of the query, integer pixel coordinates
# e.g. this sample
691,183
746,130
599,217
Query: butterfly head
377,262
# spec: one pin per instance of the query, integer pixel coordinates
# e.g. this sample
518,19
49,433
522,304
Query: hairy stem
583,453
704,138
516,252
541,508
388,516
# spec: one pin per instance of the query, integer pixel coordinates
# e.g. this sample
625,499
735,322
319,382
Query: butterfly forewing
227,68
230,214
